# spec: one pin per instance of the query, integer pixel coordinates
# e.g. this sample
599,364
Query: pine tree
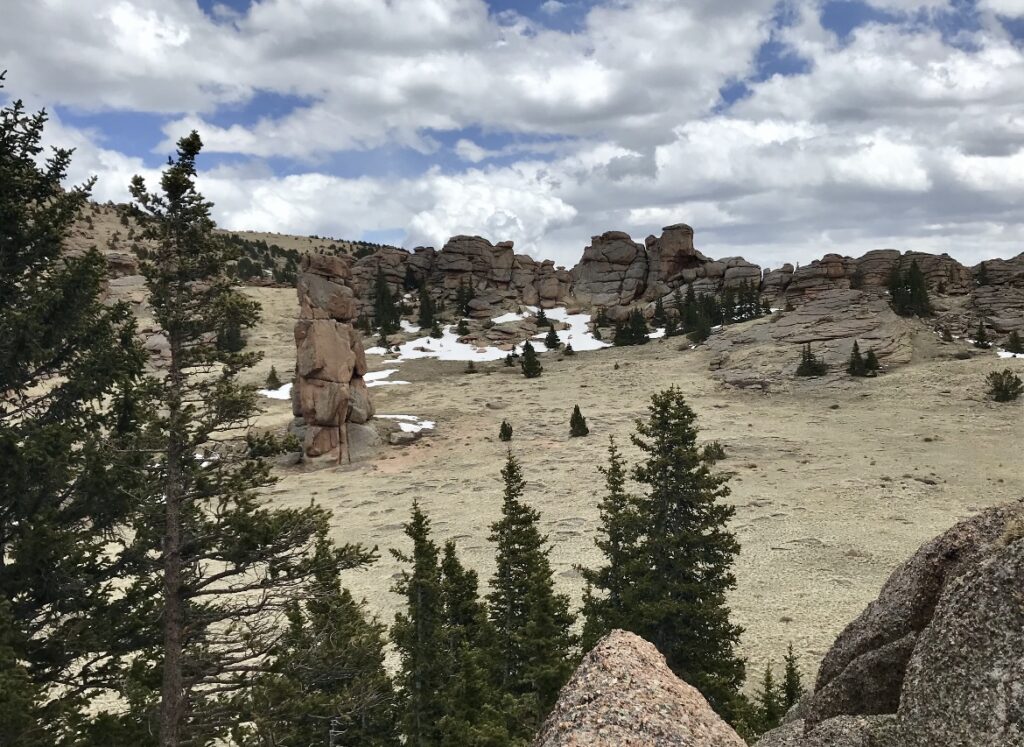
981,337
530,363
551,341
426,314
577,424
325,683
769,702
701,329
1014,343
202,505
70,375
505,432
981,276
597,334
809,363
273,380
384,342
462,328
908,292
541,318
418,636
1005,385
568,349
676,552
792,686
856,366
871,362
463,295
638,327
671,326
435,330
533,642
617,539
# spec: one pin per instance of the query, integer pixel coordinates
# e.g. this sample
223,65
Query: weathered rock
965,681
842,731
360,404
612,272
623,693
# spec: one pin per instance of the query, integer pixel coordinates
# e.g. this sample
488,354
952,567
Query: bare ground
836,481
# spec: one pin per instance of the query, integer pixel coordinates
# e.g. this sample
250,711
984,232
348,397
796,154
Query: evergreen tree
476,712
769,702
676,552
385,311
533,642
325,683
577,423
462,328
871,362
701,329
541,318
633,332
809,363
981,337
671,326
505,432
981,276
418,636
551,341
384,342
601,320
659,319
908,292
435,330
213,563
426,315
597,334
856,366
792,685
70,374
530,363
463,295
273,380
568,349
617,539
1014,343
947,336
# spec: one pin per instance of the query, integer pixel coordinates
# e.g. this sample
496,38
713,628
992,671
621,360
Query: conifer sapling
577,424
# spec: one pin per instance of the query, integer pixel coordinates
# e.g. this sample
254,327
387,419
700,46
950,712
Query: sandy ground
836,482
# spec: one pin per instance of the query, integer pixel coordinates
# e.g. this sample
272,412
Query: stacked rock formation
936,659
623,693
329,395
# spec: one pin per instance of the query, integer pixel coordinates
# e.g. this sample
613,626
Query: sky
779,129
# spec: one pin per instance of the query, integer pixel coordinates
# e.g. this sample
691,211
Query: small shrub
577,423
462,328
568,349
1005,385
1014,343
947,336
713,451
505,432
962,355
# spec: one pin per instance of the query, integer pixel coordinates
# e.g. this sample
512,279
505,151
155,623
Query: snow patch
284,392
409,327
578,333
411,423
1008,354
378,378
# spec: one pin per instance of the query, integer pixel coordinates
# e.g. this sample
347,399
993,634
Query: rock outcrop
623,693
329,395
938,657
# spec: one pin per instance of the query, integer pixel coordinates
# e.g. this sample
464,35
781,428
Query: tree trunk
172,695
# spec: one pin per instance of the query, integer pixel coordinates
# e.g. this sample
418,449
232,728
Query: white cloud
552,7
1009,8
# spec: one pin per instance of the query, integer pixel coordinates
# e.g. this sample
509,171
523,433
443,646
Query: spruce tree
792,685
617,539
638,327
70,375
417,634
462,328
659,319
541,318
273,380
530,363
908,291
533,640
809,363
325,682
476,712
981,276
213,562
769,701
701,329
505,431
551,341
568,349
435,330
385,311
677,553
981,338
871,362
856,366
426,314
577,424
1014,343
